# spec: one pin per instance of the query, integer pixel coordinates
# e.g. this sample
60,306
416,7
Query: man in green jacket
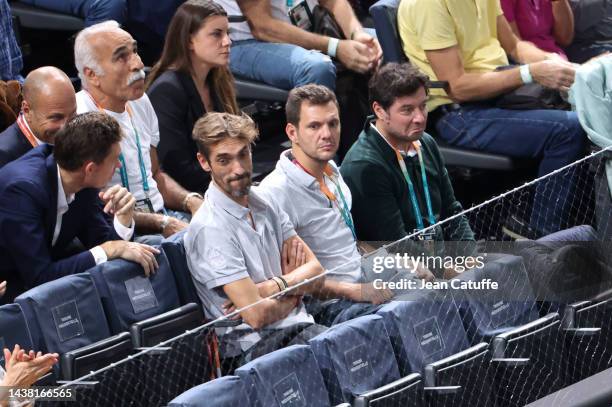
395,171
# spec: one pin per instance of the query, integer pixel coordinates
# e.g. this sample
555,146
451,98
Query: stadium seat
68,312
384,13
356,357
227,391
429,330
424,330
588,338
41,19
79,362
288,376
175,252
157,329
486,313
530,364
128,296
14,330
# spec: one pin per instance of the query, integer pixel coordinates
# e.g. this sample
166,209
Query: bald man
48,103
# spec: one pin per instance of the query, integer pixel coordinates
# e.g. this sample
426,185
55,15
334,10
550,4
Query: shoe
519,229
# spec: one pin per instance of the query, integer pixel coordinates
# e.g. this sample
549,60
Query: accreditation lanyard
413,197
25,129
123,170
341,203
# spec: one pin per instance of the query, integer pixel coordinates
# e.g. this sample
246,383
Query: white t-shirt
145,121
315,219
278,10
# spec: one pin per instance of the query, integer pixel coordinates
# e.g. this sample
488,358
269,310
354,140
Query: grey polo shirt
317,221
222,247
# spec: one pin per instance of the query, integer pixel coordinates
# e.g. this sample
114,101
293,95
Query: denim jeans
93,11
284,66
581,52
553,136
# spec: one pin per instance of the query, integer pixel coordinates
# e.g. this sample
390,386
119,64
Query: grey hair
84,56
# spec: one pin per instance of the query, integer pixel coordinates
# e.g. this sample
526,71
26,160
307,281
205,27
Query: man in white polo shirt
308,186
241,249
112,78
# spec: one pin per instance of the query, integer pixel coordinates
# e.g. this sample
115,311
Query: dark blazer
178,106
13,144
28,210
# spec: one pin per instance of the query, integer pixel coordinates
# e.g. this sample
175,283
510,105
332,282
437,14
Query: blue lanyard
143,170
413,198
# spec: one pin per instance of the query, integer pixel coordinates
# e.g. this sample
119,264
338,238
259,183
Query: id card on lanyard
142,205
413,198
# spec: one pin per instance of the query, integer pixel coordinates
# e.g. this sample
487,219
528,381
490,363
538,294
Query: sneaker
519,229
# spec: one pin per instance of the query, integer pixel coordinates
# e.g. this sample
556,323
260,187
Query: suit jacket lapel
52,182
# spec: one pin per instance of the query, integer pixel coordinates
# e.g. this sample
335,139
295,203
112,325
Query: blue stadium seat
175,252
355,357
486,313
128,296
227,391
68,312
384,14
424,331
14,330
288,376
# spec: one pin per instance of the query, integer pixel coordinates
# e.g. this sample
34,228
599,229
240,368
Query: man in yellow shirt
464,42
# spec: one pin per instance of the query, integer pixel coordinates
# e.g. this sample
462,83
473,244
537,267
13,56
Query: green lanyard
413,198
143,170
343,209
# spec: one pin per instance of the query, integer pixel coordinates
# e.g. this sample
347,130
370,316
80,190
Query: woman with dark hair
191,78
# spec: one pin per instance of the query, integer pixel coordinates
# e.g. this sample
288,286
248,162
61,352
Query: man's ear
25,107
91,76
203,162
379,111
291,131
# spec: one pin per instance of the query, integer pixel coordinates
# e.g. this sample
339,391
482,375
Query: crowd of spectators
109,171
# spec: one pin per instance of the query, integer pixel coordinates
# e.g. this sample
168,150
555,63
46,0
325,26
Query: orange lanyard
25,129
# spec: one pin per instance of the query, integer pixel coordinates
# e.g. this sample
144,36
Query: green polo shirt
382,210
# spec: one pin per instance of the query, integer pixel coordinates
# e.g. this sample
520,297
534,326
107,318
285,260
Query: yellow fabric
438,24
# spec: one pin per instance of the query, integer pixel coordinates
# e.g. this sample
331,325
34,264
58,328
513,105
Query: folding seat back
355,357
128,296
405,392
540,345
588,338
68,311
175,252
286,377
227,391
488,312
14,330
152,331
424,330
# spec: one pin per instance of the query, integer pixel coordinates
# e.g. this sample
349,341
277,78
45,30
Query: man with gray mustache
112,78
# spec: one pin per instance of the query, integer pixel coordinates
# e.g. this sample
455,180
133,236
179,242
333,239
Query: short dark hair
396,80
314,94
87,137
214,127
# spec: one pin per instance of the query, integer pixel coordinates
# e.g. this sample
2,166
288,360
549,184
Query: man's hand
355,55
293,256
553,73
137,252
23,370
174,225
193,204
373,45
120,203
2,288
374,295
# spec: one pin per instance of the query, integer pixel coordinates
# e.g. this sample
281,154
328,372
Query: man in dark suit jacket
48,103
49,199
